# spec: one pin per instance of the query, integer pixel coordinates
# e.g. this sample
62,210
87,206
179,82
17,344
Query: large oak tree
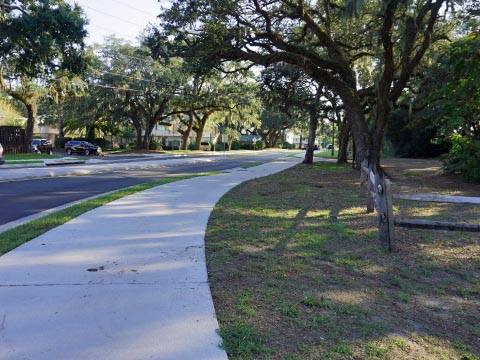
335,42
37,38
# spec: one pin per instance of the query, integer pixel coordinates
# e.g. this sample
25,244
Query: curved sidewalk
124,281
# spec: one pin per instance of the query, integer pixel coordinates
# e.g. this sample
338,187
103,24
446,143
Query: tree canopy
37,38
335,42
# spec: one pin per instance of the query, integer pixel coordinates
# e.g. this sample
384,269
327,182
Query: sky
124,18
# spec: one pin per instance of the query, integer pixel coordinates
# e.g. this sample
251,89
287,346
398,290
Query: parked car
204,145
329,146
82,148
305,146
1,155
42,146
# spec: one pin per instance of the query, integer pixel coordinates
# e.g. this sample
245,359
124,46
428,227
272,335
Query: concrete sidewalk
124,281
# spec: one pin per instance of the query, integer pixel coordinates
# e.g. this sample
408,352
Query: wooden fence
379,196
12,139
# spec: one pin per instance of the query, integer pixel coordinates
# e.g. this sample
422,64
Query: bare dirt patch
296,270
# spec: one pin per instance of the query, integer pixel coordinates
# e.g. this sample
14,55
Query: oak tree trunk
343,138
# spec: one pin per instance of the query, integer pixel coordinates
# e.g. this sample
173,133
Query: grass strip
13,238
7,157
21,162
247,166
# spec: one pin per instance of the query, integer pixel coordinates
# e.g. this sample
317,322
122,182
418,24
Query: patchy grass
296,273
12,238
252,165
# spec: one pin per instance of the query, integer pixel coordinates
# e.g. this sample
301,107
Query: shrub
221,147
259,145
463,158
155,145
191,146
235,145
288,146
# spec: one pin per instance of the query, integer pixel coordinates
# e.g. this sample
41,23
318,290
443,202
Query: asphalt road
27,197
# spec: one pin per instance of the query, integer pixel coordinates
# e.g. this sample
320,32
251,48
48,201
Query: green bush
221,147
155,145
288,146
463,158
259,145
191,146
235,145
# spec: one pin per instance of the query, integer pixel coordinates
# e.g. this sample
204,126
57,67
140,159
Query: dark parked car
42,146
329,146
1,155
305,147
82,147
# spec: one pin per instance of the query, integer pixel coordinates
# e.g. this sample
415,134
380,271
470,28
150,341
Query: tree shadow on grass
322,287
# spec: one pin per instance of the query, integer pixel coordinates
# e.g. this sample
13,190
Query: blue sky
124,18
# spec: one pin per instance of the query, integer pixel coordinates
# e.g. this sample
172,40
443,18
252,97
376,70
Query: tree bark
31,118
61,133
312,128
138,131
152,118
199,129
343,138
358,125
186,133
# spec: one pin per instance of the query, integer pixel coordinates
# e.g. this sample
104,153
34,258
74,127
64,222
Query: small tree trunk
312,131
61,132
186,133
31,119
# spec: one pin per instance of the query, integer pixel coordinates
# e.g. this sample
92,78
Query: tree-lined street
122,240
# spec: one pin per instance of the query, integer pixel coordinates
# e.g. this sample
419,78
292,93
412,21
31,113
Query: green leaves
45,36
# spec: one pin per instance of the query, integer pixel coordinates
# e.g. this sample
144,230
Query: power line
144,60
110,31
132,7
138,78
112,16
113,87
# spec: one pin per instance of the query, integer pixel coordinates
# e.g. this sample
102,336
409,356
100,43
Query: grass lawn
13,157
325,153
296,273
